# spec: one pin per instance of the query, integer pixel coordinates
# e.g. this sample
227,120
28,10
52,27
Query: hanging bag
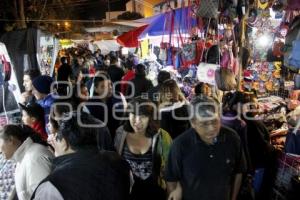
206,71
189,53
225,79
225,76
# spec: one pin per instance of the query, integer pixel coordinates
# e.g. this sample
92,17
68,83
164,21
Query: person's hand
176,194
24,97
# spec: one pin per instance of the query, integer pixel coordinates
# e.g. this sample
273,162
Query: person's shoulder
185,138
39,150
47,191
38,153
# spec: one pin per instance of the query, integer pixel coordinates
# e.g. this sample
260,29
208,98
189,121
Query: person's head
204,114
141,115
41,86
29,76
202,88
163,76
32,113
103,86
114,60
128,66
140,70
80,60
232,101
170,92
72,136
84,93
52,125
63,60
12,137
250,105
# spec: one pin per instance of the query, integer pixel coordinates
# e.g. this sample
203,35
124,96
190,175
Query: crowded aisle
200,101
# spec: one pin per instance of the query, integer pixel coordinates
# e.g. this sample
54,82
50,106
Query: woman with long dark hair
145,147
21,144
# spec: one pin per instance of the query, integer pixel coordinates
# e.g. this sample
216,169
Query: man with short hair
43,94
206,162
103,101
29,76
64,74
80,170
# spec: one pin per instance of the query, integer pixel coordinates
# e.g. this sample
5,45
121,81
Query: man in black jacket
105,103
115,72
80,171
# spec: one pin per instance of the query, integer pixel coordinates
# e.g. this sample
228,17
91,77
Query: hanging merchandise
294,58
189,53
145,48
208,8
277,49
206,73
297,82
225,79
292,4
262,4
277,6
5,68
292,35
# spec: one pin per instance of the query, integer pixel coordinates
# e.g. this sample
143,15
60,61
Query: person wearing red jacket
129,75
33,116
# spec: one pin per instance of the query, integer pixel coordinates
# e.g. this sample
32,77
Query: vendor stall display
48,47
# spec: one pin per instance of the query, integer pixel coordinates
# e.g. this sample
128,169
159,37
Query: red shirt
127,77
40,129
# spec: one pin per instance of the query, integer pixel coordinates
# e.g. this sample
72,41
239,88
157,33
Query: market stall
48,47
252,46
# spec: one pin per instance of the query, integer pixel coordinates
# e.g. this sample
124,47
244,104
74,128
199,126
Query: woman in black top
173,109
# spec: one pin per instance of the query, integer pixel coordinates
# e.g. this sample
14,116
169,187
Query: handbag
225,79
206,73
188,53
208,8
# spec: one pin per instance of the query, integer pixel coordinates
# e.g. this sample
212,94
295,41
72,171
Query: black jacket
89,175
174,119
104,112
141,85
116,73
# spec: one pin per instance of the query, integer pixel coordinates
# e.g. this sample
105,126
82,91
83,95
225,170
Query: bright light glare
125,51
264,41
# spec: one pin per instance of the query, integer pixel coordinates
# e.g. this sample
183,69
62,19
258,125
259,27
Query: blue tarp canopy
161,24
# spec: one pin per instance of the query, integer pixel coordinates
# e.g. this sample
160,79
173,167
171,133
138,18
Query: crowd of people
105,132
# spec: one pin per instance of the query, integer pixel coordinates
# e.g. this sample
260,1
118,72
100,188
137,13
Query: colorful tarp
162,24
130,39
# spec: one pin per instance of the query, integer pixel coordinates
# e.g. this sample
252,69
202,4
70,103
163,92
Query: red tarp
130,39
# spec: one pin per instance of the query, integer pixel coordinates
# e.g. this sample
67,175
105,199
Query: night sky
95,9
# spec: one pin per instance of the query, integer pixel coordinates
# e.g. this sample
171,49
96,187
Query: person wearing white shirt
21,144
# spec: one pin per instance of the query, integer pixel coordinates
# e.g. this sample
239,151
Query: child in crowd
33,116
